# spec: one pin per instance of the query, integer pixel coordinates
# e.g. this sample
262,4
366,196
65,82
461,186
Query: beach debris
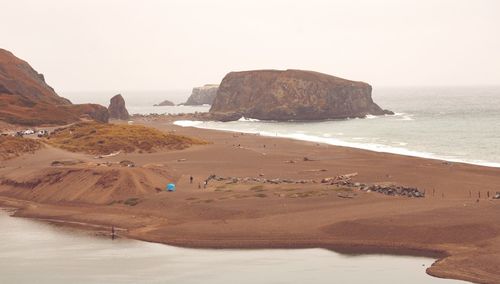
127,163
345,195
497,195
181,160
345,179
260,179
108,156
69,162
316,170
394,190
307,159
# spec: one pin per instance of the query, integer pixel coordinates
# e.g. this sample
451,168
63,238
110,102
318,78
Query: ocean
458,124
453,124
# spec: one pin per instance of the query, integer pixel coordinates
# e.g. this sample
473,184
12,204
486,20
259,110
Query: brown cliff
202,95
117,109
26,99
292,95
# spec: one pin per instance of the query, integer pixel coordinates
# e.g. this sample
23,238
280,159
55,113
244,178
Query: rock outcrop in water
165,103
26,99
202,95
292,95
117,109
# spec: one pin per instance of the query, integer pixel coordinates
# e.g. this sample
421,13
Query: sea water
34,252
454,124
450,123
140,102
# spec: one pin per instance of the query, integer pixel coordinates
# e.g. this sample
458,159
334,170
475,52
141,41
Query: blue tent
170,187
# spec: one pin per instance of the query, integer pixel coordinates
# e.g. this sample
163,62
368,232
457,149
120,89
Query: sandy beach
456,221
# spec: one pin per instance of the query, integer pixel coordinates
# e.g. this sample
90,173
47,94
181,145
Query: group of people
205,182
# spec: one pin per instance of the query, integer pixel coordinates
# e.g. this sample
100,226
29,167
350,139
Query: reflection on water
33,252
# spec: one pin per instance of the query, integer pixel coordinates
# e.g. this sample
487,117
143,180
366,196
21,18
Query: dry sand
451,222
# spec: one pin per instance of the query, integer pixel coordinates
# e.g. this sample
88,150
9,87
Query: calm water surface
34,252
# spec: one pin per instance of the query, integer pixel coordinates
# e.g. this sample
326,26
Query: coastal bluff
26,99
202,95
292,95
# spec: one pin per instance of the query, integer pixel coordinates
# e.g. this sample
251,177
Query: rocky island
292,95
202,95
26,99
165,103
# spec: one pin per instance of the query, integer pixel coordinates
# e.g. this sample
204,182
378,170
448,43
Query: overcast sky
90,45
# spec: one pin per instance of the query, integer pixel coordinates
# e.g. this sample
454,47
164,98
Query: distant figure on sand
191,179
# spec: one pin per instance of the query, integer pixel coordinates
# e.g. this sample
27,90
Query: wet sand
455,221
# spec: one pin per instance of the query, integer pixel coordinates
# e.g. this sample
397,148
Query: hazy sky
85,45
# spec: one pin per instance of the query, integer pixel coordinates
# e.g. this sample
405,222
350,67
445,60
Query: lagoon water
454,124
34,252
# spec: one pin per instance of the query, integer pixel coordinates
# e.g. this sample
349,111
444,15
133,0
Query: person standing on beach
191,179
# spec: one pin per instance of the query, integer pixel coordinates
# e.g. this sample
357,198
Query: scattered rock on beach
69,162
127,163
395,190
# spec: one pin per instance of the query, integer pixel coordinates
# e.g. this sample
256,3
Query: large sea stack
26,99
202,95
292,95
117,109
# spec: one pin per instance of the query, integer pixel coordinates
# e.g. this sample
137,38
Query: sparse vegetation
11,147
101,139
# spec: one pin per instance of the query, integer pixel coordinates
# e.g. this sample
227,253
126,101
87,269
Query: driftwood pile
342,180
395,190
230,180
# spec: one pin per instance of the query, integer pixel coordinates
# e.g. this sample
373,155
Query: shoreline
340,143
232,216
346,248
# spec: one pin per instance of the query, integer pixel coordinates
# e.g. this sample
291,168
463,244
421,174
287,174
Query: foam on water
188,123
452,124
327,139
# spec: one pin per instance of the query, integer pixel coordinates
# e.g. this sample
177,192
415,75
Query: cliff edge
202,95
26,99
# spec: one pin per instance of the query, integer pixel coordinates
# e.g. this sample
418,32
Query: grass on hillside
11,147
102,138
